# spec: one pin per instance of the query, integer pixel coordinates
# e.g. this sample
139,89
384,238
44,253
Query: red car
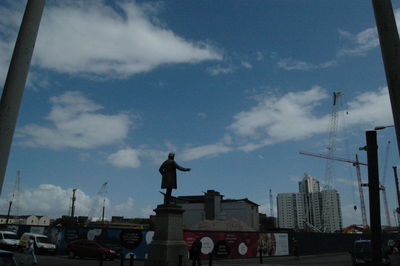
90,249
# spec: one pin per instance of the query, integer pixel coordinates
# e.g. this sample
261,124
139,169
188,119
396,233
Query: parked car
362,254
9,240
90,249
7,258
41,242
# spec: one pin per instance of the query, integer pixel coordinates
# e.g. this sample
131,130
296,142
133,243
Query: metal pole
8,213
101,260
121,258
374,202
396,180
132,259
390,48
73,203
16,79
179,260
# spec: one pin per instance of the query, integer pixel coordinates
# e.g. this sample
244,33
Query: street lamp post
374,201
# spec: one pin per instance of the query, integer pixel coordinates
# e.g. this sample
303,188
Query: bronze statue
168,172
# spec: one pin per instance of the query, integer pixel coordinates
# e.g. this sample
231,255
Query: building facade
26,220
310,208
212,206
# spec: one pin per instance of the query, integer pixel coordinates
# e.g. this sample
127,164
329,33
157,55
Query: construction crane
332,138
100,198
383,188
15,200
356,164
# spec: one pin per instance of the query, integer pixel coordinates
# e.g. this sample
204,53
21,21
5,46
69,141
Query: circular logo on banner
131,239
149,237
222,250
242,249
207,245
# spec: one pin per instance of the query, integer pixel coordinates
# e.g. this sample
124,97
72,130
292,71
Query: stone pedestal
168,244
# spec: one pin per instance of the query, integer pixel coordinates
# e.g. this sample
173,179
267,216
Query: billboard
232,244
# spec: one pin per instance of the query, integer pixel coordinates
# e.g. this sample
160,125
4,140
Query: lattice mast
332,139
361,192
98,200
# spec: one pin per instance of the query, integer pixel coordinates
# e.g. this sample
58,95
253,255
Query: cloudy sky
236,89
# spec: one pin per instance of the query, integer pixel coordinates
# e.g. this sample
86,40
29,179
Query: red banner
224,244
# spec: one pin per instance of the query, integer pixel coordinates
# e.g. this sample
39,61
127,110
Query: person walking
296,248
30,249
195,252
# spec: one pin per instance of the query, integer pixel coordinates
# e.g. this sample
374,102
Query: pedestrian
30,249
195,252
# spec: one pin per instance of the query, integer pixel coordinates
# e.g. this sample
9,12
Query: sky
235,88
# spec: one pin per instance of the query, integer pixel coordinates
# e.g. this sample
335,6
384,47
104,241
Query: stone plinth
168,244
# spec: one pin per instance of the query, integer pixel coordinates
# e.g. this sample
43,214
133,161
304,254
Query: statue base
168,247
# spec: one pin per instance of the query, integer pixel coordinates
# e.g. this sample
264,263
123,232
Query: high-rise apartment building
310,207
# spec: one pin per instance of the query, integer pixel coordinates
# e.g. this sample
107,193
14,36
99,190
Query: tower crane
332,138
100,198
383,188
15,200
356,164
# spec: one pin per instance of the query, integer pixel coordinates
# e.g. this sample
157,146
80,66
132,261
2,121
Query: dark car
362,254
90,249
7,258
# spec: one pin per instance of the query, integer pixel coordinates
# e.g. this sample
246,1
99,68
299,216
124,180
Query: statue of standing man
168,172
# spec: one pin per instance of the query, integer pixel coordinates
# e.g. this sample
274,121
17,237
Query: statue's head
171,155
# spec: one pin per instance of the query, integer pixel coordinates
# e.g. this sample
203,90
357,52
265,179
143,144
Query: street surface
339,259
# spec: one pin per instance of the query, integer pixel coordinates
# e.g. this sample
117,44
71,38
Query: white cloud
276,119
364,41
90,38
96,39
360,43
76,123
291,64
202,115
247,65
372,108
293,116
55,201
218,69
205,151
127,157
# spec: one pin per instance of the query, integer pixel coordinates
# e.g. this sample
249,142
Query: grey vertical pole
16,79
390,48
73,203
396,180
374,202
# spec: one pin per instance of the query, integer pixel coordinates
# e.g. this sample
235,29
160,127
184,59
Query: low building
26,220
213,206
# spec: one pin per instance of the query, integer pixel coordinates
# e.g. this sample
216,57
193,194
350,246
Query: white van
42,243
9,240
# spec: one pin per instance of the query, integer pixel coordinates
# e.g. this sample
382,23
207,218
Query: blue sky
236,89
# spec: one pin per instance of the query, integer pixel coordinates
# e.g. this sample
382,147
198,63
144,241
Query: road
339,259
